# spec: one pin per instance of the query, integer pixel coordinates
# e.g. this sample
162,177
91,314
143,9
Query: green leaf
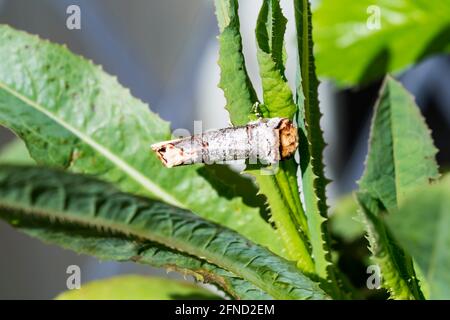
113,247
15,152
295,241
73,115
401,152
311,141
46,202
282,188
344,219
134,287
422,226
351,49
234,81
241,100
397,269
400,159
270,29
228,183
109,248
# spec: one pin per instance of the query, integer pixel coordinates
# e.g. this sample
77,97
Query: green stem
287,179
311,149
296,244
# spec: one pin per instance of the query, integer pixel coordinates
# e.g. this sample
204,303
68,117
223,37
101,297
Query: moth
266,141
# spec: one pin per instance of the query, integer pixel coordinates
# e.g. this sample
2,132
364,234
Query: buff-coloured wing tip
169,155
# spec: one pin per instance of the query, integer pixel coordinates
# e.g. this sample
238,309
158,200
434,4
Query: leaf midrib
394,144
181,246
108,154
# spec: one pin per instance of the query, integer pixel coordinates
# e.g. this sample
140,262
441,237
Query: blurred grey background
165,51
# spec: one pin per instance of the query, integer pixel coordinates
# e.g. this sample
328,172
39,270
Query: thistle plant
95,187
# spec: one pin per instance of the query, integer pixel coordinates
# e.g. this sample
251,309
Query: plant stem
289,186
276,189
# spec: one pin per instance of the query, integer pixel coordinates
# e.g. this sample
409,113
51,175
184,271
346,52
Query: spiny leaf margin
270,29
34,194
401,158
311,135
